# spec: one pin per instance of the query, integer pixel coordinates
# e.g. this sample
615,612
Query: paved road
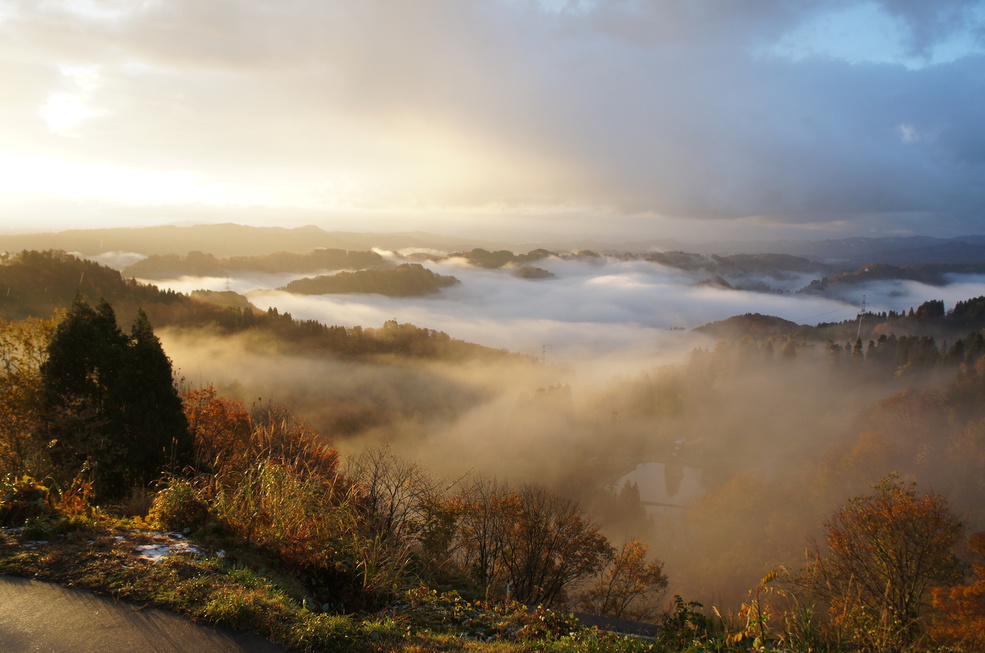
42,617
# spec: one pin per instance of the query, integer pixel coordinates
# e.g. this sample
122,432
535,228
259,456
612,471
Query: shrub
177,507
23,497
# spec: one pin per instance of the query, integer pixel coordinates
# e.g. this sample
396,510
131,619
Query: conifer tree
78,379
111,409
155,429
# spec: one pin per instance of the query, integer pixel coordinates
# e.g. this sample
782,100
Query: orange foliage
22,349
885,552
872,454
629,585
961,618
228,438
77,499
220,426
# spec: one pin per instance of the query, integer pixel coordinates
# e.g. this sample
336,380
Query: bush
177,507
23,497
45,527
425,608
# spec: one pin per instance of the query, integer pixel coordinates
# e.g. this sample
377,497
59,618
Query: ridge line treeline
36,284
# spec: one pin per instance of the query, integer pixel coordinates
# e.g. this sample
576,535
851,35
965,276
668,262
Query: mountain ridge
229,239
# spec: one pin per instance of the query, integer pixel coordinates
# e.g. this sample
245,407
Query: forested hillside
36,284
168,266
406,280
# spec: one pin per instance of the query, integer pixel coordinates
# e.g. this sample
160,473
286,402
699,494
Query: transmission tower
861,313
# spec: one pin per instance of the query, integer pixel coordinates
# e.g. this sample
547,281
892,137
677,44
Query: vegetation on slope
200,264
268,490
406,280
37,284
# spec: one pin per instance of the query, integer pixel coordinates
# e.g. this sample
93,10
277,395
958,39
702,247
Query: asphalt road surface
40,617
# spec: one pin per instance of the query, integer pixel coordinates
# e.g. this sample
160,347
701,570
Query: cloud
601,318
615,309
900,296
660,109
116,260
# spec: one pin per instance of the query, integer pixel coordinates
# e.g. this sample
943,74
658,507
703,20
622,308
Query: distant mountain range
910,250
226,240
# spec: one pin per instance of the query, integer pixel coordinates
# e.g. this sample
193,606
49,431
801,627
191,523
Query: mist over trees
200,264
406,454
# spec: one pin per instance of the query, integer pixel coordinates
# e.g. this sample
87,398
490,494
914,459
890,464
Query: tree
395,493
553,545
628,586
885,551
931,310
529,543
155,429
220,428
961,609
483,532
79,377
22,351
111,409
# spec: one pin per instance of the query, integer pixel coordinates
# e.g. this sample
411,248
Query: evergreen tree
78,378
84,355
111,409
155,429
976,349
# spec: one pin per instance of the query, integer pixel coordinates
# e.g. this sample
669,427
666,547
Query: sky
622,119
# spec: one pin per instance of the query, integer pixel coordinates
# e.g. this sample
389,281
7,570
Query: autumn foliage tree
529,543
629,586
220,428
23,345
885,551
960,618
228,438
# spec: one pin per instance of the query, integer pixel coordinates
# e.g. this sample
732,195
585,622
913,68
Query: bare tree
529,543
395,492
483,532
629,586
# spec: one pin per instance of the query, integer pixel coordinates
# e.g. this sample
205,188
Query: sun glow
23,176
63,112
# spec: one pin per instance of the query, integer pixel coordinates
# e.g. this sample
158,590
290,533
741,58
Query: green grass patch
205,588
101,557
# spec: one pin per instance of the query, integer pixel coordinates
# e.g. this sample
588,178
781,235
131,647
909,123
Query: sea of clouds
606,306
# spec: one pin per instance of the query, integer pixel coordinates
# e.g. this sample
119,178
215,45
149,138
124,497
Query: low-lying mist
746,448
589,307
